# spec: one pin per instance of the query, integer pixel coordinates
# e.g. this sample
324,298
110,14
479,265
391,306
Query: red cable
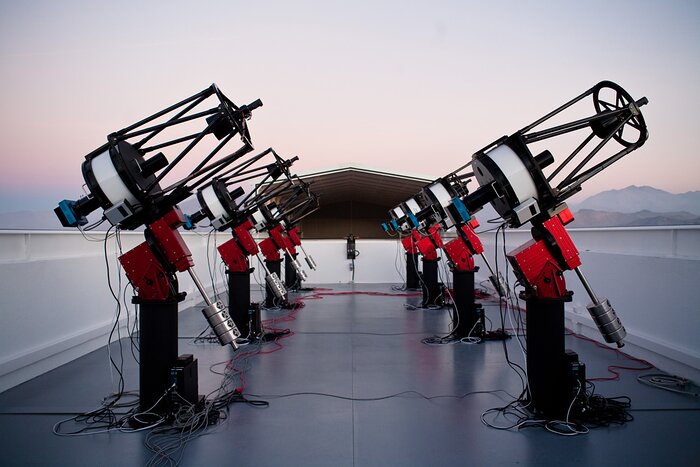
320,295
611,368
265,324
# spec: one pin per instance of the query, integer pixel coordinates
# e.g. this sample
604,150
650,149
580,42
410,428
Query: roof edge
367,171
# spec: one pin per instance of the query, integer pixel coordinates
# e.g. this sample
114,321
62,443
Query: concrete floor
356,346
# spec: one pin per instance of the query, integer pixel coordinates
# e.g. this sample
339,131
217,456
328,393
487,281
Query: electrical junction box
526,210
118,213
576,375
352,253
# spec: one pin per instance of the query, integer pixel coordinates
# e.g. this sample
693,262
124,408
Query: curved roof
363,186
355,200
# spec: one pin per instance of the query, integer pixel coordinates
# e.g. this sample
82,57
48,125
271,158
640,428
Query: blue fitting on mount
394,224
385,227
461,209
188,223
414,221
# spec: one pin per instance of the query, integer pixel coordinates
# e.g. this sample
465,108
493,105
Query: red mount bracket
151,265
429,244
540,264
462,249
235,252
293,235
289,244
409,244
272,245
270,250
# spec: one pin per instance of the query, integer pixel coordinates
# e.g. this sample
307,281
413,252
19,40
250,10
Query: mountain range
594,218
637,206
627,207
641,198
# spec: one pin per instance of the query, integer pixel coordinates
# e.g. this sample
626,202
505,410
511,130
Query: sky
400,86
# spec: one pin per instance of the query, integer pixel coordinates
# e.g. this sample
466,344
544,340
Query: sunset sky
399,86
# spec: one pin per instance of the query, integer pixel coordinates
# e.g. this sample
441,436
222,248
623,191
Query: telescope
137,178
527,180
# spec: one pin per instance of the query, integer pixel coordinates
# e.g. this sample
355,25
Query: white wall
55,302
650,275
379,261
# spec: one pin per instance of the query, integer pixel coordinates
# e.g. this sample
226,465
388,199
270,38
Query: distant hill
594,218
635,199
637,206
633,206
628,207
30,220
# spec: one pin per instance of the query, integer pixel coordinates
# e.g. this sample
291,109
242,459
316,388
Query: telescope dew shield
520,189
105,181
218,204
440,194
409,220
396,213
116,176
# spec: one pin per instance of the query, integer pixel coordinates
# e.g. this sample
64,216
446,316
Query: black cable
131,329
95,224
116,320
53,413
338,333
134,328
379,398
522,374
647,409
105,418
585,412
397,267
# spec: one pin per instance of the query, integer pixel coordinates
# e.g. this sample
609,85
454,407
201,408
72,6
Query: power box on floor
185,377
577,374
254,320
